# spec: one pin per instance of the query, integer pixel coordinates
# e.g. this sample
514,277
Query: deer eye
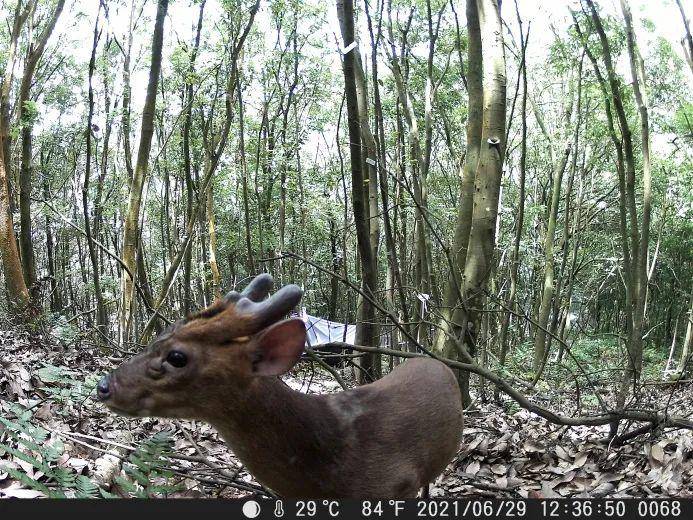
177,358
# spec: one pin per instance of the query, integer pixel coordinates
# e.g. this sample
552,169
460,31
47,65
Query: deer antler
257,290
241,314
266,312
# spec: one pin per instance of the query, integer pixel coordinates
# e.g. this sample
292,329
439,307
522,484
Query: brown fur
383,440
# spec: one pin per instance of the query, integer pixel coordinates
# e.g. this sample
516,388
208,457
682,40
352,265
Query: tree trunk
17,292
511,302
366,330
131,230
686,350
250,265
26,120
687,41
480,253
101,321
211,230
394,271
453,313
549,263
213,152
638,75
189,186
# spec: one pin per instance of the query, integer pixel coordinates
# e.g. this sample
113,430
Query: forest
505,187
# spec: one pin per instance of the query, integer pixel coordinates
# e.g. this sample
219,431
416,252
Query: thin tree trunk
395,274
638,75
686,350
100,306
619,146
211,230
131,230
575,234
547,291
366,330
189,186
56,304
250,267
511,302
421,157
687,41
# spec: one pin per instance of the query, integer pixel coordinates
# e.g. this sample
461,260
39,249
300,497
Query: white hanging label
424,302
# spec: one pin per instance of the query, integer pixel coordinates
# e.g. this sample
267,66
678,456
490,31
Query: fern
25,479
65,385
86,488
27,443
146,471
146,465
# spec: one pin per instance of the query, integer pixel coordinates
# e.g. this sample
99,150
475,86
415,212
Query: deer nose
103,389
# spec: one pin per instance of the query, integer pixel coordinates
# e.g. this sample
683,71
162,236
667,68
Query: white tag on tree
349,47
423,297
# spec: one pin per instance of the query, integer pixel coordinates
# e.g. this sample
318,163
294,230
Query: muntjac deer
385,439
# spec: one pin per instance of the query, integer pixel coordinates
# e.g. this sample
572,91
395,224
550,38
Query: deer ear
277,348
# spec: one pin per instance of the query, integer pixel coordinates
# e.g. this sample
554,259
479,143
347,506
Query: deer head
219,351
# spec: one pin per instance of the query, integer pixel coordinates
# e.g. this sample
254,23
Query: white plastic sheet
320,331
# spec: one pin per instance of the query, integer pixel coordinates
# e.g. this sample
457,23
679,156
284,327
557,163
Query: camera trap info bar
384,509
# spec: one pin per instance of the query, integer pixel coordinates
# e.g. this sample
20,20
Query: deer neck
283,437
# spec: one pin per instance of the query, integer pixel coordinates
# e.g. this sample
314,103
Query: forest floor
46,394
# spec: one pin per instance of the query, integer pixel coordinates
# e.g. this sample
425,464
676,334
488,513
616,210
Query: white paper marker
349,47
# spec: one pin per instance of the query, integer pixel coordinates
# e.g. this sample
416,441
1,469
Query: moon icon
251,509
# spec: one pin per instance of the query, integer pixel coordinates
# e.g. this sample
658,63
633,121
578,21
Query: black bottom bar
476,509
